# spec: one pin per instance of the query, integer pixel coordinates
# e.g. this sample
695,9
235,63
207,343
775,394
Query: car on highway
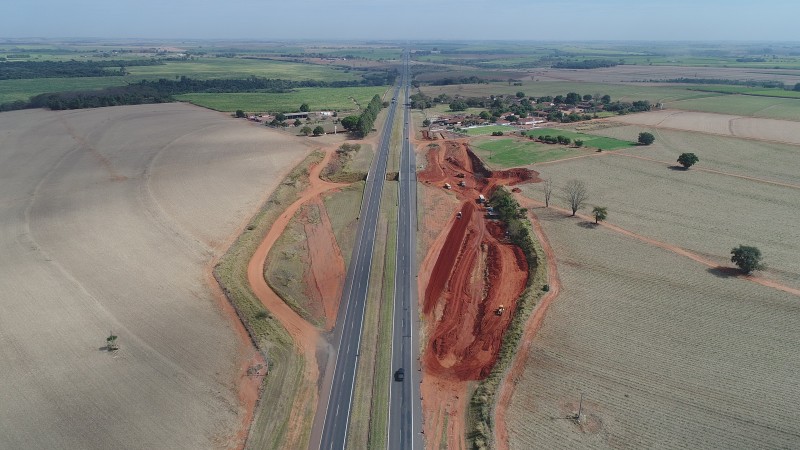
399,375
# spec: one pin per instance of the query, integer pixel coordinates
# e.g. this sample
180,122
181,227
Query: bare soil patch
110,219
469,272
770,130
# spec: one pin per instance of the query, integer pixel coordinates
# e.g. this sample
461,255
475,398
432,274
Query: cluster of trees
625,107
585,64
317,131
547,139
472,79
361,125
510,213
17,70
162,90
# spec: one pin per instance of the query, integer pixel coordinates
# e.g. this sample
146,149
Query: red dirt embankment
466,276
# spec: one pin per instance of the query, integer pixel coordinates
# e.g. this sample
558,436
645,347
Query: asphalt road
348,329
405,406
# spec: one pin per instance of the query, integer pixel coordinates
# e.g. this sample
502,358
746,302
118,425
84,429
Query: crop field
208,68
664,353
338,99
622,92
708,213
110,220
743,105
746,90
506,153
726,154
589,140
12,90
722,124
489,129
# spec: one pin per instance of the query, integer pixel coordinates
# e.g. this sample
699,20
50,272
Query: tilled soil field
708,213
665,353
109,221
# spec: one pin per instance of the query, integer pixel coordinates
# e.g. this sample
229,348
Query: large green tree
599,213
646,138
747,258
687,160
350,123
304,107
319,131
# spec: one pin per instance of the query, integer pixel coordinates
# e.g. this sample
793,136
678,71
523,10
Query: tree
646,138
280,117
747,258
304,107
350,123
578,143
575,192
458,105
520,94
606,99
548,191
306,130
599,213
797,87
688,160
297,122
426,123
318,131
572,98
484,115
239,113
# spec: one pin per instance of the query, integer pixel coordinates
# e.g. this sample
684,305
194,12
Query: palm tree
599,213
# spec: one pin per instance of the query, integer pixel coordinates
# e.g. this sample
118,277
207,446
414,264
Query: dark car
399,375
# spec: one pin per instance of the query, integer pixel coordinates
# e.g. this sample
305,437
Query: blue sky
740,20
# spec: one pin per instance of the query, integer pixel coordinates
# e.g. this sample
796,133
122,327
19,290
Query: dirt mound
475,274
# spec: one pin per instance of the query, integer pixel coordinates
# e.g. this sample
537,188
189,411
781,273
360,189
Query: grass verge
480,420
278,389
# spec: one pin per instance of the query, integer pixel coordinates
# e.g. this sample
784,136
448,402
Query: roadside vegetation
349,164
270,338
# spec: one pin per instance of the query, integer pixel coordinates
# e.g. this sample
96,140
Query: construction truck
458,215
462,183
500,310
481,199
447,185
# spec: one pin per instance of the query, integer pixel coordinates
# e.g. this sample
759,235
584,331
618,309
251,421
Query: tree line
361,125
163,90
585,64
18,70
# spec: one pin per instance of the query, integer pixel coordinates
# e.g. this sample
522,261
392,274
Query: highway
346,335
405,407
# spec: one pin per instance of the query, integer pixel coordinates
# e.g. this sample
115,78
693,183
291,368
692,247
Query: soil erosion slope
467,276
109,220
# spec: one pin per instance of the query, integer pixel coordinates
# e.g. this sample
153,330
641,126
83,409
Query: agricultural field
208,68
337,99
13,90
664,353
742,105
111,219
589,140
507,153
721,124
704,212
746,90
487,130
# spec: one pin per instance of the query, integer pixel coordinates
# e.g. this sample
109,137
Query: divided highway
405,406
354,296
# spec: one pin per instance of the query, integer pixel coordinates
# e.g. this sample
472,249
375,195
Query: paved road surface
405,407
347,334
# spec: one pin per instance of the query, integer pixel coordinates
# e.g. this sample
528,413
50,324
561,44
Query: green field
589,140
626,92
743,105
11,90
338,99
505,153
483,131
745,90
209,68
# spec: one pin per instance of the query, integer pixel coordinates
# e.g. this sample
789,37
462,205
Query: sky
554,20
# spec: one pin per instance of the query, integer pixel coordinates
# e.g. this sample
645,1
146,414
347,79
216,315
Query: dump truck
481,199
500,310
462,183
458,215
447,185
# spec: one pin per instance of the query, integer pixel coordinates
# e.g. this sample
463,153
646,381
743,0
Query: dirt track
468,273
109,219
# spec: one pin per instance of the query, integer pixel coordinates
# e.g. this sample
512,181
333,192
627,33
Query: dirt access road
109,221
468,273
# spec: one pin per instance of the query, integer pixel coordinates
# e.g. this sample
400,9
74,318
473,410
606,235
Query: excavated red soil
475,272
